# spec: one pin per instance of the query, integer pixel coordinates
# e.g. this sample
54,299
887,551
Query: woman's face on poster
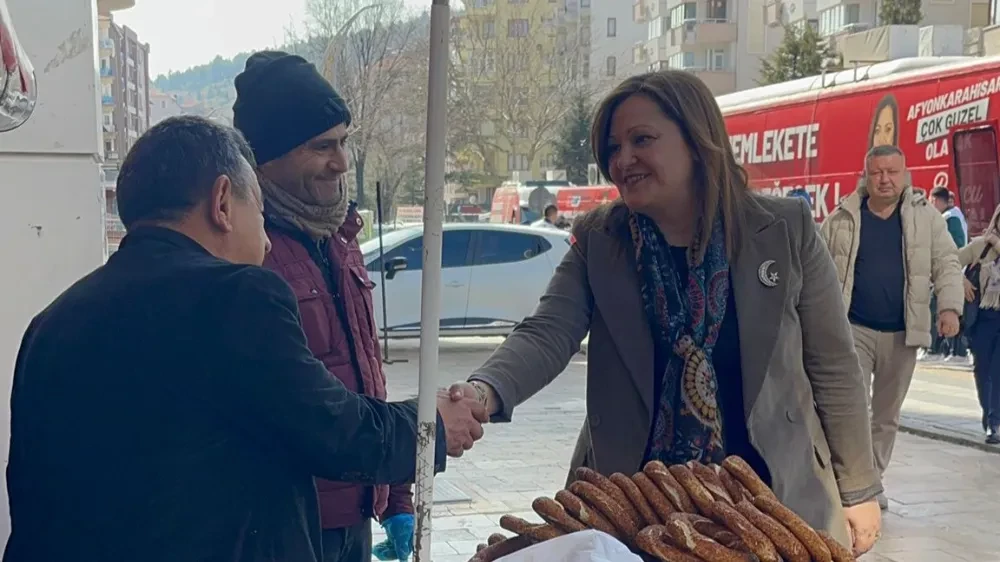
885,128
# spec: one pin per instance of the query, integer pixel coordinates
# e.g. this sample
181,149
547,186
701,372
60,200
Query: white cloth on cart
585,546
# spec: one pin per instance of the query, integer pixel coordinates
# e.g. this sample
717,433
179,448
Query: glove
398,544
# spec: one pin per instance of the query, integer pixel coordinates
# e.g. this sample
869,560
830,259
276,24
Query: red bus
813,133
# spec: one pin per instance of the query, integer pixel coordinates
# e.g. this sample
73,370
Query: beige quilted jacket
930,257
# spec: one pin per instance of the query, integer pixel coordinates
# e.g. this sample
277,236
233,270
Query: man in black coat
166,407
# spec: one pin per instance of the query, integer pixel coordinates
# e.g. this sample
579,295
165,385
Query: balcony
639,12
107,71
640,54
106,44
774,13
718,81
107,100
657,8
657,49
701,33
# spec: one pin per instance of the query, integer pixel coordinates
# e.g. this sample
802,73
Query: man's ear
220,209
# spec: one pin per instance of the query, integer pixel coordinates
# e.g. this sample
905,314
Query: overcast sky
185,33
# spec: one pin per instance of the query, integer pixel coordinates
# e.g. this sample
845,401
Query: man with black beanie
297,126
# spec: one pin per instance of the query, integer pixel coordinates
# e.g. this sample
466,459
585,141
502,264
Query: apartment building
124,71
721,41
516,63
612,34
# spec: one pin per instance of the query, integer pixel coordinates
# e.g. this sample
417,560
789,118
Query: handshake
463,416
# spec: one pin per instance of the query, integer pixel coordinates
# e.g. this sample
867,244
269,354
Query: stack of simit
682,513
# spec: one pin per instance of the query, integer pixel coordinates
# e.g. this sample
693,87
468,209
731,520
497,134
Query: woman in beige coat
674,373
984,334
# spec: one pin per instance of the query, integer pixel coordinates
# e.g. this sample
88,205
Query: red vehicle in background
575,201
813,133
524,204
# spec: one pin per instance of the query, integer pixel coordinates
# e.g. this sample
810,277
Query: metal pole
430,297
381,272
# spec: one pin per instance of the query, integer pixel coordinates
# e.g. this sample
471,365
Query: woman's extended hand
970,290
864,521
481,392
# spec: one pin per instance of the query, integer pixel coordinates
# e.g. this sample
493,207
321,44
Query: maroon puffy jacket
335,301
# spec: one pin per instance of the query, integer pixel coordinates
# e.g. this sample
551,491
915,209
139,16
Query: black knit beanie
282,101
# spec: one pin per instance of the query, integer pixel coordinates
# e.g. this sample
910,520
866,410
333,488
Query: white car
492,276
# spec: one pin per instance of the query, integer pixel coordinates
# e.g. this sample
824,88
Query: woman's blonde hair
721,183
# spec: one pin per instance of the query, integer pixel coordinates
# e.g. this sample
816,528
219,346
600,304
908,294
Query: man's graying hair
883,150
173,166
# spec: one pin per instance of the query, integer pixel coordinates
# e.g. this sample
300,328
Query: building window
483,3
852,13
517,163
685,12
489,29
716,59
517,27
612,64
584,3
612,27
517,1
834,19
657,27
717,10
681,60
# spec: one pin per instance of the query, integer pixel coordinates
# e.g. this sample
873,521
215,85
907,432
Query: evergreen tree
900,12
573,152
802,53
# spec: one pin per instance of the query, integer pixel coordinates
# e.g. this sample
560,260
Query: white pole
430,296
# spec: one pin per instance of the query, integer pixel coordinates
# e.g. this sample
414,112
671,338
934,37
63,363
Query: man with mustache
297,125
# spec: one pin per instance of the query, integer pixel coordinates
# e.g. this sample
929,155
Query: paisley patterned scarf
685,316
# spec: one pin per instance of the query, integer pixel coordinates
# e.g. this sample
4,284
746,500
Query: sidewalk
944,498
942,405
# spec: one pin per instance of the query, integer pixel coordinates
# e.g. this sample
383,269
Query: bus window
978,176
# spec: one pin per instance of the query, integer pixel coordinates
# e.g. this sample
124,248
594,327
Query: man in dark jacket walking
167,407
297,126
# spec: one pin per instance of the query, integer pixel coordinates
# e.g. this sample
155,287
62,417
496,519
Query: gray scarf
317,220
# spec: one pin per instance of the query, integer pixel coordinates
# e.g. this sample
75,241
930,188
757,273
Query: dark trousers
348,544
986,349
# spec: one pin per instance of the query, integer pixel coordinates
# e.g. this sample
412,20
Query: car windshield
389,239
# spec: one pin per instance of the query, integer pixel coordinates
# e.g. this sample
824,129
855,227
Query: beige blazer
804,396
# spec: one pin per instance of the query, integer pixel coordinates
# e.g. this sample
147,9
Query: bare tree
360,44
398,141
512,81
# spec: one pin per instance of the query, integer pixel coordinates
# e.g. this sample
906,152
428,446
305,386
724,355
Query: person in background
716,326
985,331
297,126
802,193
890,246
550,217
951,349
166,407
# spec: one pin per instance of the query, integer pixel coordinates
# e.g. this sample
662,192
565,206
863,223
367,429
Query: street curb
947,438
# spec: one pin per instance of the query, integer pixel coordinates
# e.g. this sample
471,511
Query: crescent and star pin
766,276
